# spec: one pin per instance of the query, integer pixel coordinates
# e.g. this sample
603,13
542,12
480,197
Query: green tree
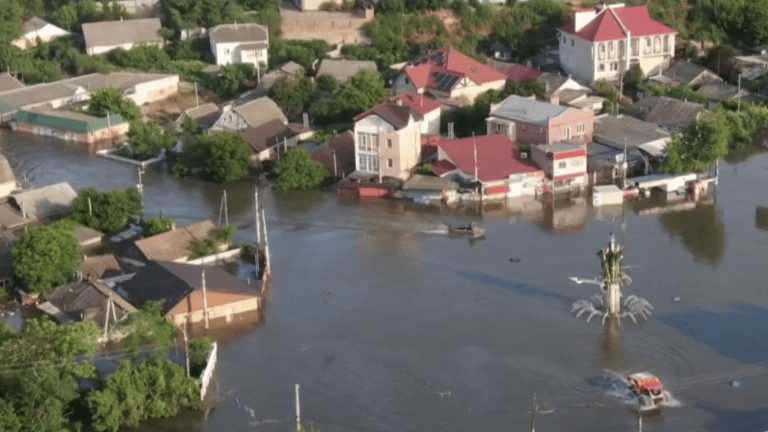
9,421
45,257
697,147
223,156
363,90
297,170
11,20
108,212
198,356
292,94
147,140
229,81
154,388
66,17
327,83
149,326
157,225
525,88
108,100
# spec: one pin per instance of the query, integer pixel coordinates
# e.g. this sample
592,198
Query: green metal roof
67,120
6,107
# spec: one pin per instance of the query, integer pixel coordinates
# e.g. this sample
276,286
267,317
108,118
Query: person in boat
472,227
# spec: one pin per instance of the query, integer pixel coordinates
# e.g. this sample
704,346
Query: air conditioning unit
523,155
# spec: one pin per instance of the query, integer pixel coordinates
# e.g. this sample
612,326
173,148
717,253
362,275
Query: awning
655,149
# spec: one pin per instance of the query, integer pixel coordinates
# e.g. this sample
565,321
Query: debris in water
445,393
514,260
676,299
735,383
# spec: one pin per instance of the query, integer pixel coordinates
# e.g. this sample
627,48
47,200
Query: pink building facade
536,122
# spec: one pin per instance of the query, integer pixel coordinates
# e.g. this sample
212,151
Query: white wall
143,93
577,59
229,53
102,49
403,84
575,165
372,124
472,90
430,124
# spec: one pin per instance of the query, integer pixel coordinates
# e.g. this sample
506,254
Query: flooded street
422,332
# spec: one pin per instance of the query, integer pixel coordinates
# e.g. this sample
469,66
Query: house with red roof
565,164
427,107
605,41
447,73
493,164
387,141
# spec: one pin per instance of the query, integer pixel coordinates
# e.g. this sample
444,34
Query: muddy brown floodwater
422,332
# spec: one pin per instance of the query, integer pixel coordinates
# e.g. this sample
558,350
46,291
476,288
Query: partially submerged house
37,205
337,155
564,164
491,164
69,125
251,114
100,267
173,245
644,143
268,141
429,188
88,299
185,290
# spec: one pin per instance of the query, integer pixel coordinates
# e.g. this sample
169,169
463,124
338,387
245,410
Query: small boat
648,389
470,231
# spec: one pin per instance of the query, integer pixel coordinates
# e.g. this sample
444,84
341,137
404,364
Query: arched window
611,50
657,44
647,49
635,47
622,49
667,44
601,51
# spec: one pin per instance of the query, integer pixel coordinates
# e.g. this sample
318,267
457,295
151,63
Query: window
367,142
614,66
565,39
499,127
390,163
227,51
611,50
601,68
647,49
368,163
657,44
601,52
667,44
562,164
389,142
573,41
622,49
577,162
580,128
635,47
407,81
567,132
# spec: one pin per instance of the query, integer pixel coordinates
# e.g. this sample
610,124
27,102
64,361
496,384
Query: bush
109,211
45,257
297,170
327,83
157,225
222,156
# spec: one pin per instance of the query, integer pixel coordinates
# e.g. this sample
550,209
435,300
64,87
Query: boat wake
617,387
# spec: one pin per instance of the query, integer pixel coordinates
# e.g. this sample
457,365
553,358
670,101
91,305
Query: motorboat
648,389
471,231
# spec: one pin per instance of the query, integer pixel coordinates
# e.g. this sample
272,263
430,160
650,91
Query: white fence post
205,378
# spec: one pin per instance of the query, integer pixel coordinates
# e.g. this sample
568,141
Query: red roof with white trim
498,157
442,68
420,103
521,73
607,25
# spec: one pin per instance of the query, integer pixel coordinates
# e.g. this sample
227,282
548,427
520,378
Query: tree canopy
223,156
147,140
109,100
292,94
45,257
108,211
697,147
157,225
297,170
363,90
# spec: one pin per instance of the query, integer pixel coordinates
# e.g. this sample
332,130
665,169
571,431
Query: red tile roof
521,73
419,102
607,25
497,157
399,116
436,68
442,167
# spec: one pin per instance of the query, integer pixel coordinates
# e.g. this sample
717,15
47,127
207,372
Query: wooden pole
205,300
266,241
90,209
335,171
114,314
197,102
257,216
186,346
226,209
298,409
106,318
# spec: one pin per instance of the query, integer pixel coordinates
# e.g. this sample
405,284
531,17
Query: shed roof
428,182
342,70
174,244
204,116
113,33
686,72
171,282
497,157
528,110
84,234
260,111
87,298
669,112
100,267
267,135
249,32
6,172
47,201
9,82
719,91
68,120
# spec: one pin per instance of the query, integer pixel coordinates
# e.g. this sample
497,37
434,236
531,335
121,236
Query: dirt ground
168,110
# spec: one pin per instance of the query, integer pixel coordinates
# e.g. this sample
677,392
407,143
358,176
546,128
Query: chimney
554,99
399,102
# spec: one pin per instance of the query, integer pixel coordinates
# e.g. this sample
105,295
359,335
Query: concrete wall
102,49
333,27
220,305
154,91
66,135
470,91
430,124
230,120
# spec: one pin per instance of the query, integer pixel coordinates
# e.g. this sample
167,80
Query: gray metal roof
47,201
669,112
34,24
527,110
8,82
612,131
342,70
205,115
259,111
719,91
559,147
687,72
228,33
86,299
112,33
6,172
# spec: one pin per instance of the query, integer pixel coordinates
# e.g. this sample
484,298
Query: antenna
474,149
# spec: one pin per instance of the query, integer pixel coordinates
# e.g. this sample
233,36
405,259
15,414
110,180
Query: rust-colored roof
611,22
267,135
521,73
442,68
100,267
344,146
396,115
419,103
173,245
498,157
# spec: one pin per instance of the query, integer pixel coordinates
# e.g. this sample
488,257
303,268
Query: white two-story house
564,164
388,140
240,43
606,41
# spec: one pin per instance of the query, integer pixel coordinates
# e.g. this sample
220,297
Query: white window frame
567,132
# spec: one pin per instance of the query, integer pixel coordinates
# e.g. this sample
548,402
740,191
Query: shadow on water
700,230
519,287
730,421
736,334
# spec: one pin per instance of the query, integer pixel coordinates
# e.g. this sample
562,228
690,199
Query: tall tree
697,147
223,156
292,94
110,100
108,211
297,170
45,257
147,139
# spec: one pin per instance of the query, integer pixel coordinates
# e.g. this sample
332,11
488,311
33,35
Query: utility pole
90,208
140,188
624,165
266,241
298,410
205,301
186,347
256,216
639,416
197,102
378,155
226,209
335,172
738,95
109,129
533,413
106,318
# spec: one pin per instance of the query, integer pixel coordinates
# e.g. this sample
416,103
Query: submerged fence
210,365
